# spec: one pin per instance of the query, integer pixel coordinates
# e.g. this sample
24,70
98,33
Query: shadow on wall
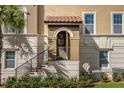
21,42
119,70
53,69
88,54
41,38
51,51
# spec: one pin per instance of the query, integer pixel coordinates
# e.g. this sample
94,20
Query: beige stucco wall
31,19
74,29
74,41
74,53
25,48
37,14
89,52
103,14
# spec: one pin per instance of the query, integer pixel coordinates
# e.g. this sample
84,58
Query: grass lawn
111,85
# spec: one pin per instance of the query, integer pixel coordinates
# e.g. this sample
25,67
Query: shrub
81,83
87,80
22,85
116,77
10,82
69,83
88,83
73,83
93,77
90,77
34,82
122,76
28,82
104,77
50,82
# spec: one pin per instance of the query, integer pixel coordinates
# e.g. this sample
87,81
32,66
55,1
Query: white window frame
26,19
107,59
83,17
24,9
112,30
5,59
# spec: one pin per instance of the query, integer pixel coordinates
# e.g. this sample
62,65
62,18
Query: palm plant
12,16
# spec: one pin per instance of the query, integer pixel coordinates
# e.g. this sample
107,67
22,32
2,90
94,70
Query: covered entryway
63,41
63,46
63,37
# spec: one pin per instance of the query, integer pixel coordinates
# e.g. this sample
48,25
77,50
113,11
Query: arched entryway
63,46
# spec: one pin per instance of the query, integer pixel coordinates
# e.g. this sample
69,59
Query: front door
63,46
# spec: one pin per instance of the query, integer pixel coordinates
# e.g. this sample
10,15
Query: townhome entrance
63,41
63,38
63,46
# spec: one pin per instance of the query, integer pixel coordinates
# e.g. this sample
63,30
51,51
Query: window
117,23
9,29
103,58
89,23
9,59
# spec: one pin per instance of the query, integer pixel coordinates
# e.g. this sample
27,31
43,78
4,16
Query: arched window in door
63,46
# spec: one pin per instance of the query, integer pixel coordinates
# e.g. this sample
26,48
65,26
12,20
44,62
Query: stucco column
74,48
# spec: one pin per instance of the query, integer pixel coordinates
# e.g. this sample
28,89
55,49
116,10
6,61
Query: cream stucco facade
83,48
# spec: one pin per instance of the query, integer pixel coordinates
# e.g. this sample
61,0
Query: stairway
31,66
65,68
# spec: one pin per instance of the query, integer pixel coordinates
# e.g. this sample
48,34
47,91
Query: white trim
108,59
2,27
62,29
111,22
89,12
25,18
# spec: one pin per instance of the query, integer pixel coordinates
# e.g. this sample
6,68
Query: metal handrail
30,60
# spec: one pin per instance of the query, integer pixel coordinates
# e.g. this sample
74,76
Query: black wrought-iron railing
31,65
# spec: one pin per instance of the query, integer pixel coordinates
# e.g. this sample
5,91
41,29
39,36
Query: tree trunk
1,44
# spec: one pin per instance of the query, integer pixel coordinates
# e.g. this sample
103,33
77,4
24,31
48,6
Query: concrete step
32,74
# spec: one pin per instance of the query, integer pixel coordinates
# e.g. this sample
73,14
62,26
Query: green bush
104,77
93,77
28,82
88,83
87,80
90,77
116,77
50,82
9,83
122,76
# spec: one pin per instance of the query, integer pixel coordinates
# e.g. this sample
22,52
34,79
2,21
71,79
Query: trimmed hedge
50,82
10,82
116,77
122,76
104,77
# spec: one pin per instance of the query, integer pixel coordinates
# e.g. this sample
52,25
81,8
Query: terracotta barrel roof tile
63,19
